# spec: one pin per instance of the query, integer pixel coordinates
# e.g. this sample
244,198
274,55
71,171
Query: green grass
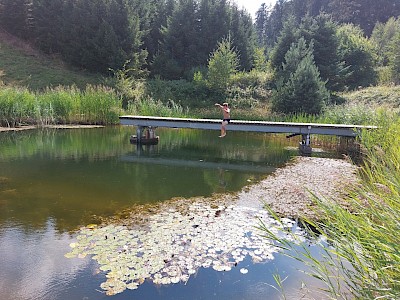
37,72
383,95
94,105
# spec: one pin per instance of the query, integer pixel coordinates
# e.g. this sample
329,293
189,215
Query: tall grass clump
151,107
61,105
16,106
361,257
352,113
99,105
54,106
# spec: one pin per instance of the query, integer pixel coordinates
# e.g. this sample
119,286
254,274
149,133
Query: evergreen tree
14,17
382,36
160,12
301,91
365,13
214,25
222,64
357,53
275,23
286,38
243,36
180,42
260,60
261,25
103,35
322,32
47,24
394,58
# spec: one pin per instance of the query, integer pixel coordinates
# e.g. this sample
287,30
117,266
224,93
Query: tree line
168,37
313,48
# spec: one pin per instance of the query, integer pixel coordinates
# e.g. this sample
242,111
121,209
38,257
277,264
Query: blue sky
253,5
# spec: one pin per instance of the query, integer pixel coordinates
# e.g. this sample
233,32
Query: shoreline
288,191
30,127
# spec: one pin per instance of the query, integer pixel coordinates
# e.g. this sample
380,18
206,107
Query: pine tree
261,25
301,91
14,17
286,38
322,32
357,53
394,58
222,64
243,36
47,24
179,46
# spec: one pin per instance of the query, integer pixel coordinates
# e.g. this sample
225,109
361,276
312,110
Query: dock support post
139,131
305,145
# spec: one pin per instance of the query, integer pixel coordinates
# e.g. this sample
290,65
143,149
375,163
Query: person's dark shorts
226,120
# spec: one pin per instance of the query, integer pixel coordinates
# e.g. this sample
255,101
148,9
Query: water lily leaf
70,255
132,286
172,245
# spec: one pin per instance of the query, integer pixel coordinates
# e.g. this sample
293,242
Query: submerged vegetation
171,246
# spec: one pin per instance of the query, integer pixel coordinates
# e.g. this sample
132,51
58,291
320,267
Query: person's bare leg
223,130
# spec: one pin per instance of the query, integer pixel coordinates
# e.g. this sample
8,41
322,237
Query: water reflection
32,263
54,181
73,176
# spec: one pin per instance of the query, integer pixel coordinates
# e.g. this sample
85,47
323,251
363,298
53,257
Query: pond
53,183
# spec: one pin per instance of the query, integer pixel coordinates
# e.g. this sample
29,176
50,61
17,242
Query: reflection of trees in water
93,143
237,147
70,175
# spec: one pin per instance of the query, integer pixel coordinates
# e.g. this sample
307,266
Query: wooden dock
293,129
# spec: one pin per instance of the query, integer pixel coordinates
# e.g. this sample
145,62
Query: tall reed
151,107
94,105
16,105
361,257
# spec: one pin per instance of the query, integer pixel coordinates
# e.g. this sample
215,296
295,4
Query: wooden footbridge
293,129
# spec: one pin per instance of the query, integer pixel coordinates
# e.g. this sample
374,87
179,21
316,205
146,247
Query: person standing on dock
226,117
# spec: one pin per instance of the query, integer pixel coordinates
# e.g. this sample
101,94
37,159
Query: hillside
22,65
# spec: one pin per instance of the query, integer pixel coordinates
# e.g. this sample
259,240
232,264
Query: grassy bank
94,105
102,105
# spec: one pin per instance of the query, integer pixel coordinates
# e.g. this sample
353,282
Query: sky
253,5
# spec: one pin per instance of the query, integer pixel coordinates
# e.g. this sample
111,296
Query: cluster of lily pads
172,245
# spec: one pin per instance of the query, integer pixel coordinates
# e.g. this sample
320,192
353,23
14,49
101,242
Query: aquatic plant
173,245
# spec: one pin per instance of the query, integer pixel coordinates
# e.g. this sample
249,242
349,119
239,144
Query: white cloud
34,265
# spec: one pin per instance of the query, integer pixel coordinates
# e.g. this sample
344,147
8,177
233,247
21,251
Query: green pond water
53,182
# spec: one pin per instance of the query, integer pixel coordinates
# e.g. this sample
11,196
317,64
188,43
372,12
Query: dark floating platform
144,140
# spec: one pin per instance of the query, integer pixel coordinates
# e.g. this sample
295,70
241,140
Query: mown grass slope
22,65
